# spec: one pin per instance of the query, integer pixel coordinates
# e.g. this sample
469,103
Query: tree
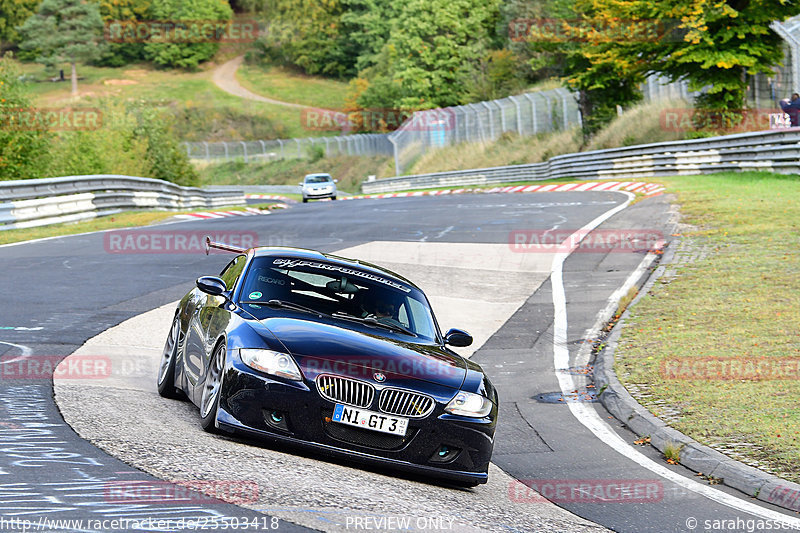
432,45
22,150
186,55
12,14
64,31
713,44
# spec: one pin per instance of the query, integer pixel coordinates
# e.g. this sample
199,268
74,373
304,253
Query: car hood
324,348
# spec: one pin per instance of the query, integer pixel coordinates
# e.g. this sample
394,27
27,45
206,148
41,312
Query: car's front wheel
305,200
166,370
211,390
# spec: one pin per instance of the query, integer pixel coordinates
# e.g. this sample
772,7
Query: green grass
741,301
287,86
126,219
165,88
349,170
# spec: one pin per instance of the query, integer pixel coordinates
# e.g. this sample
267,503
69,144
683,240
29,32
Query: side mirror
300,184
336,181
211,285
458,338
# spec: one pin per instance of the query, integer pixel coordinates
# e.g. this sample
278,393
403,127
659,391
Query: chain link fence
763,90
256,151
525,114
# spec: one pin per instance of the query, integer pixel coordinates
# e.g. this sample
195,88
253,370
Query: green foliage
21,149
316,152
64,31
186,55
12,14
119,54
221,123
166,158
432,46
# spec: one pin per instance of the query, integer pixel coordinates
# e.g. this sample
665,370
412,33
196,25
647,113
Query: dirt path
224,77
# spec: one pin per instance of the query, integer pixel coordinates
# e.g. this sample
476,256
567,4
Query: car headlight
469,404
275,363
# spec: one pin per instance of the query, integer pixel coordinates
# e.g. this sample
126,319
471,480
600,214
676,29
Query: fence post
299,153
263,149
519,114
491,121
396,158
208,156
226,149
280,143
549,111
564,107
327,147
244,150
529,97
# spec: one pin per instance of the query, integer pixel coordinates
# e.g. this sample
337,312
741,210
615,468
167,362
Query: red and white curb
640,187
270,197
250,211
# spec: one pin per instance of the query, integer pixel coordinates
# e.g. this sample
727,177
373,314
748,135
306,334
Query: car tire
209,399
333,198
166,370
305,200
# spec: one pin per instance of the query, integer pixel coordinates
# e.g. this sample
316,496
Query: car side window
230,274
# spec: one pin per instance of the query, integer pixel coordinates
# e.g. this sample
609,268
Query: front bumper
249,399
316,195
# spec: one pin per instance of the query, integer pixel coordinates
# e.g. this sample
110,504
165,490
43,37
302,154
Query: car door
209,319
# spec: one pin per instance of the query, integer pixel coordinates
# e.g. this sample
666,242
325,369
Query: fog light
276,419
445,454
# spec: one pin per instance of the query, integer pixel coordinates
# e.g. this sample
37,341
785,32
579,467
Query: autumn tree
64,31
12,14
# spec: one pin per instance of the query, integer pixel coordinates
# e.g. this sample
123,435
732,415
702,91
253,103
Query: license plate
353,416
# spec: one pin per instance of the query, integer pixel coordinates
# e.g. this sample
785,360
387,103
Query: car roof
316,174
314,255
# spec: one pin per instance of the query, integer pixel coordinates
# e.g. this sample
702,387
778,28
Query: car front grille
405,403
346,390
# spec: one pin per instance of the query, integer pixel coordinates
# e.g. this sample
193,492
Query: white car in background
317,186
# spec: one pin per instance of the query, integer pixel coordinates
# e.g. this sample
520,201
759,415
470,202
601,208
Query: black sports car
342,356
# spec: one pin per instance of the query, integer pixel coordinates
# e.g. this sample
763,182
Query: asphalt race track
61,292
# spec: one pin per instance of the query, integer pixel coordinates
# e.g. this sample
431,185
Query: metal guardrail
40,202
775,150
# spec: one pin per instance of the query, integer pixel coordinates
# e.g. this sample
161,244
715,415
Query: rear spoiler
222,246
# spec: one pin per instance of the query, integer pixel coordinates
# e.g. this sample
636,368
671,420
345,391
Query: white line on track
587,416
26,352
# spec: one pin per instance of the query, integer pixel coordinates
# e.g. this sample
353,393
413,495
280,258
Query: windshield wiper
373,322
289,305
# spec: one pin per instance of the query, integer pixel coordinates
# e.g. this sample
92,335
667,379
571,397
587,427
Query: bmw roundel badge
380,378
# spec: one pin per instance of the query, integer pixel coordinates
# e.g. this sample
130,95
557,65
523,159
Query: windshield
318,179
339,291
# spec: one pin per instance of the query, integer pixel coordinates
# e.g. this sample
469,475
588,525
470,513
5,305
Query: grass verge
125,219
740,301
282,84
